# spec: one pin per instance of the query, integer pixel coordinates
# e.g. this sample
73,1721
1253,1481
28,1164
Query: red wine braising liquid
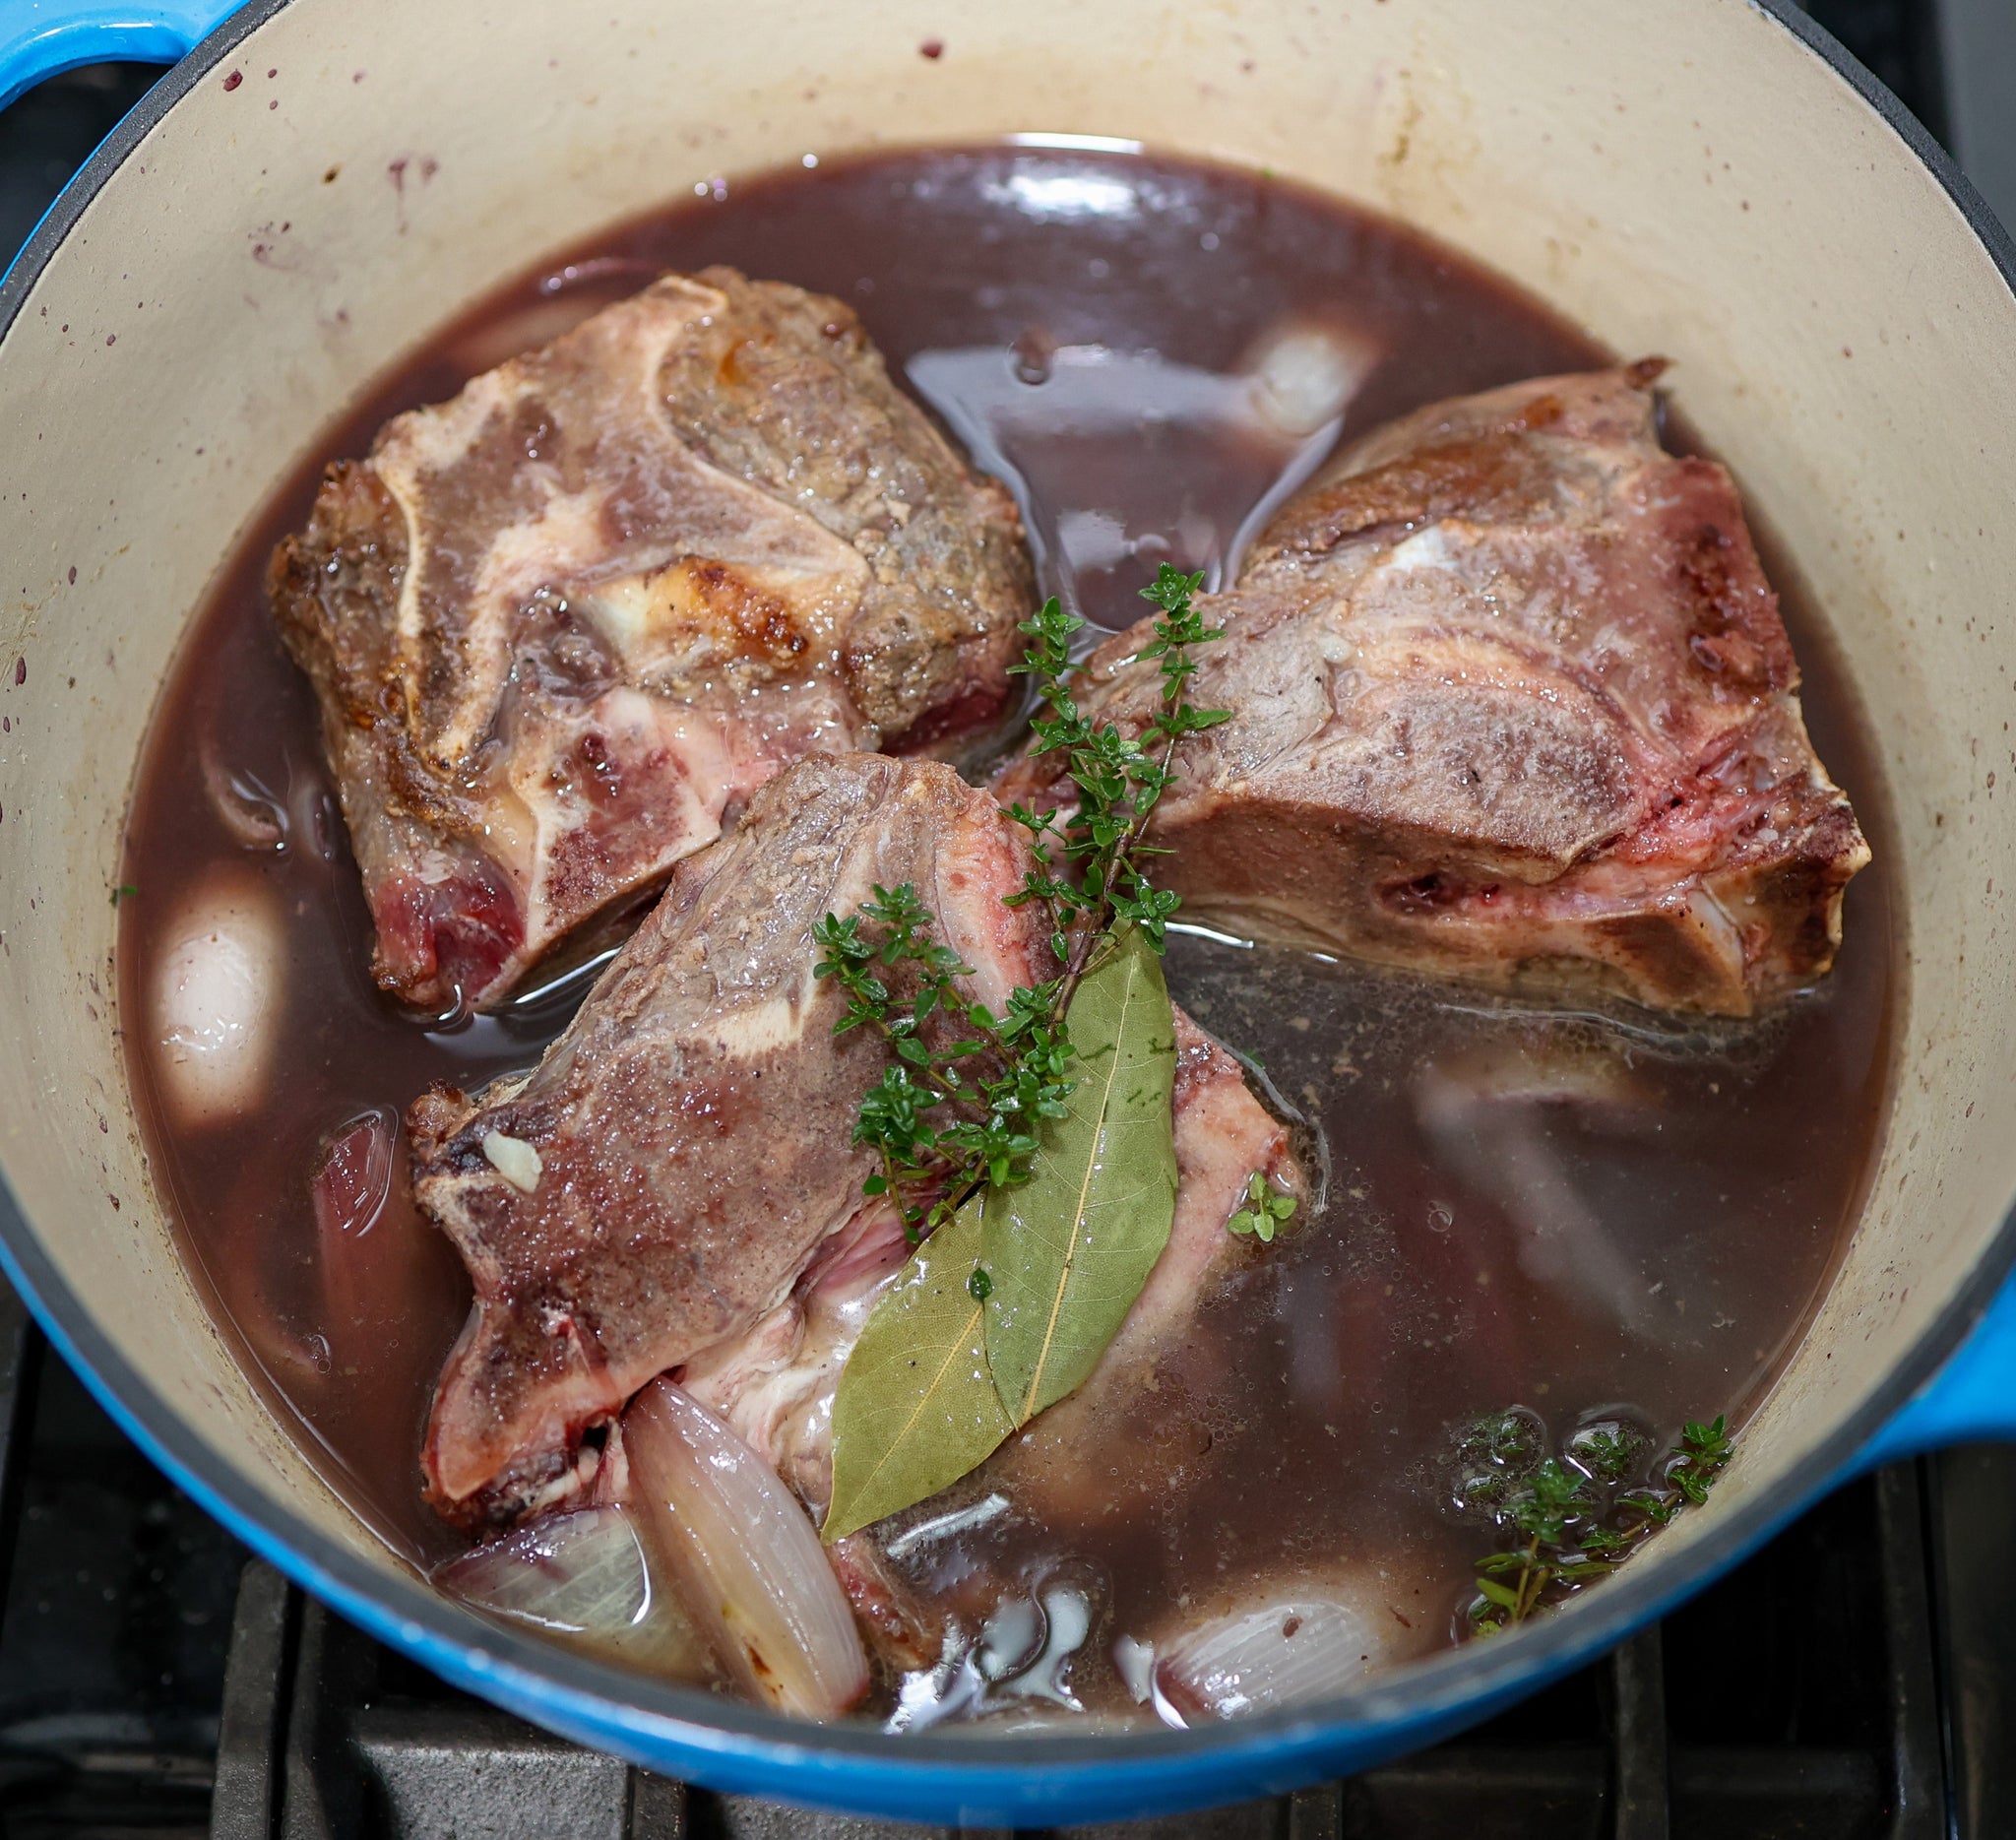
1577,1213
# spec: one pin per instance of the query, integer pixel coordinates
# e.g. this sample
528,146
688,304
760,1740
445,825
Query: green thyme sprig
1267,1209
1089,874
990,1077
1575,1522
959,1103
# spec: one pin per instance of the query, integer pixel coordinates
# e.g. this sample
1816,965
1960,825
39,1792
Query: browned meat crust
564,625
1511,700
692,1125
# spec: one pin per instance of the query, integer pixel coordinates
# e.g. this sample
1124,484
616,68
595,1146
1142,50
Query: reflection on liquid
1124,460
1503,1121
1065,192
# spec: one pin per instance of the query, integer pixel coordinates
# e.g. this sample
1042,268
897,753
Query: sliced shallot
348,1192
1496,1121
582,1572
252,817
741,1554
1291,1653
352,1183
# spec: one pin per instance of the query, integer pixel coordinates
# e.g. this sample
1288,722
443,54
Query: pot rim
606,1705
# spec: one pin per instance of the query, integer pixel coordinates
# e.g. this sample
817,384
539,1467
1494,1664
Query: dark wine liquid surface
1576,1215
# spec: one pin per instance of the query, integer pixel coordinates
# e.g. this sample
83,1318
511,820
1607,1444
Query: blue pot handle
1971,1400
39,38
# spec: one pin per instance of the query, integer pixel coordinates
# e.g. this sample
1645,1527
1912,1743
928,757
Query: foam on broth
1572,1213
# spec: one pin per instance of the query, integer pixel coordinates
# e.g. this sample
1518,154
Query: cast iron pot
319,182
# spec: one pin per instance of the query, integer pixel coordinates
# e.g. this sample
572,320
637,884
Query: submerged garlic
218,987
517,1161
1304,376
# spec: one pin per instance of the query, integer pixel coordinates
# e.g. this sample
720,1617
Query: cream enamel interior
1688,179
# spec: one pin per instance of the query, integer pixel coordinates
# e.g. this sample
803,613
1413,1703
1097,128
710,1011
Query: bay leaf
1069,1249
916,1408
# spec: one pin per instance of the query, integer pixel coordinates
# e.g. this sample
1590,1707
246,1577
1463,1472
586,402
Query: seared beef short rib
1511,700
564,625
664,1178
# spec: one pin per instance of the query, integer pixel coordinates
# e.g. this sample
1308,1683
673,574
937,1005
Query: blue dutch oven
317,183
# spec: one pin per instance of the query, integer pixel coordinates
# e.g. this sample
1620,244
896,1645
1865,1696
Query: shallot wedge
743,1557
1287,1654
582,1572
582,1575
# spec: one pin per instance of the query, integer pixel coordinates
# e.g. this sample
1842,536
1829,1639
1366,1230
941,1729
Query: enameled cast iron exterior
321,182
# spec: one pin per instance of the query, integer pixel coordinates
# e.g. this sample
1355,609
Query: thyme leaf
1267,1209
1089,872
957,1106
1574,1520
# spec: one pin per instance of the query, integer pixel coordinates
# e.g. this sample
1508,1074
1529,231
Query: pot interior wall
1689,181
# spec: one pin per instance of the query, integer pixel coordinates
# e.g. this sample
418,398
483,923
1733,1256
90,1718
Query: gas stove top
1856,1678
